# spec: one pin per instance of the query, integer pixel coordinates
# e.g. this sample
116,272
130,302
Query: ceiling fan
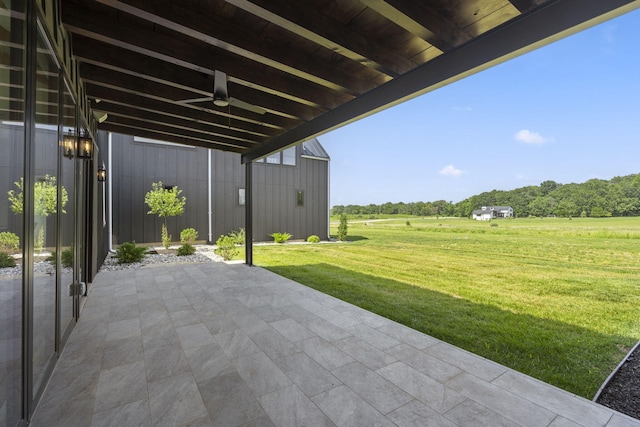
220,96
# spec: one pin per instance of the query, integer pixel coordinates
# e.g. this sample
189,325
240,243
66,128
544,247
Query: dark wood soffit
421,19
169,137
194,55
112,59
213,29
541,26
126,61
309,23
209,130
147,102
126,82
162,128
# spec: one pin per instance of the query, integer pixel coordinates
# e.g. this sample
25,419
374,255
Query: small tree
165,202
342,228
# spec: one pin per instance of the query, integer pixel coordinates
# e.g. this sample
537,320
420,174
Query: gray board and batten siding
137,163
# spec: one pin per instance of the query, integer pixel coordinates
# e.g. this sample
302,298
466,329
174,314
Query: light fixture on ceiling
100,116
220,93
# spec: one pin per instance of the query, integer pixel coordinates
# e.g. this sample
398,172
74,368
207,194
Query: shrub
186,249
226,247
238,236
313,239
280,237
6,260
66,259
9,242
342,228
188,235
128,253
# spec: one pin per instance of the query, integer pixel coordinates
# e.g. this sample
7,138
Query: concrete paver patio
214,344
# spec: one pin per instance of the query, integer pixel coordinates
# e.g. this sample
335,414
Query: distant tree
548,186
599,212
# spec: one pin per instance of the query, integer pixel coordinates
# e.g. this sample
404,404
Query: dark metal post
248,213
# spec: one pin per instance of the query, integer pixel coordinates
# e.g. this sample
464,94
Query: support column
248,213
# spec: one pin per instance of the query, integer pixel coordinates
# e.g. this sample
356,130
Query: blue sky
567,112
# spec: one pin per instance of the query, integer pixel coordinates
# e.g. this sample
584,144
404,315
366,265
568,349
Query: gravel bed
40,267
622,393
204,253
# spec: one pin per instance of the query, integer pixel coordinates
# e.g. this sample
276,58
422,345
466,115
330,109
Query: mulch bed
622,393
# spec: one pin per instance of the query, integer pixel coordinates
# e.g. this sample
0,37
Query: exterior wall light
84,149
102,174
68,144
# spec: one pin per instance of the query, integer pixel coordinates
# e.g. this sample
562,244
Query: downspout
210,234
110,189
328,199
248,214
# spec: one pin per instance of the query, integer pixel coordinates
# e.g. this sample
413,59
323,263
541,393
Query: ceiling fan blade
220,93
246,106
191,101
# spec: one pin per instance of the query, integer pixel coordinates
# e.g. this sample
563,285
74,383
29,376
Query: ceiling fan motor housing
220,93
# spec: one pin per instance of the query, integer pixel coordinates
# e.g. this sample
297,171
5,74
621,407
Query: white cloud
529,137
450,170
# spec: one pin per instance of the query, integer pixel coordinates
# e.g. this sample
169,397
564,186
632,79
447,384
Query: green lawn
557,299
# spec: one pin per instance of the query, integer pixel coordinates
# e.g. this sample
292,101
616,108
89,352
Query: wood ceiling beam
213,29
523,5
155,104
167,136
312,25
550,22
422,20
192,55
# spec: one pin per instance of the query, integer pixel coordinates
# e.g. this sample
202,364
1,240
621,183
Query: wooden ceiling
309,65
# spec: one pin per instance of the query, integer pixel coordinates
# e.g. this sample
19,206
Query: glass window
45,193
241,196
300,198
11,170
274,159
289,156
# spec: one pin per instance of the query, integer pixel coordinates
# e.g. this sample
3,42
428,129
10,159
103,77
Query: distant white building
488,213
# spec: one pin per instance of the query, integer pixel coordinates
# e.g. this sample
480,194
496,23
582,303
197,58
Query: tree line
619,196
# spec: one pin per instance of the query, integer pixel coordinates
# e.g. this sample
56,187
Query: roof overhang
305,67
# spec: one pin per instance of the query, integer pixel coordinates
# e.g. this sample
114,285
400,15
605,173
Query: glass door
45,212
67,218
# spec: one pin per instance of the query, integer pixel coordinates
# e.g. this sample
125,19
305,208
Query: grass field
557,299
